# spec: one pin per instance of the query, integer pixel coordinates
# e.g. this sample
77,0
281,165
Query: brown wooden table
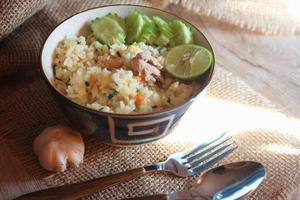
270,64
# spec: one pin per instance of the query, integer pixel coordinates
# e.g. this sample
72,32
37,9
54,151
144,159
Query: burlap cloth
266,16
13,13
262,133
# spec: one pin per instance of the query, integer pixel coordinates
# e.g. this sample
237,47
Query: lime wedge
188,61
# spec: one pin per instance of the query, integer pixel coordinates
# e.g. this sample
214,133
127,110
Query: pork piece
114,62
147,66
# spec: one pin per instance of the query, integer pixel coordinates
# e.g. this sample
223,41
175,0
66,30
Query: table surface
270,64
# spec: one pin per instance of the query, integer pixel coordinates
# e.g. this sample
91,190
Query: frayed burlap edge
265,16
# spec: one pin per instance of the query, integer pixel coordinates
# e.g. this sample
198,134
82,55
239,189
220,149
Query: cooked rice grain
82,74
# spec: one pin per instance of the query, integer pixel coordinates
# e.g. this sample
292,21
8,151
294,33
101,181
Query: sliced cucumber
134,26
163,26
119,19
162,40
138,27
108,30
165,31
182,33
149,31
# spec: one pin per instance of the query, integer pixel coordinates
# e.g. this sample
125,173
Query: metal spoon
226,182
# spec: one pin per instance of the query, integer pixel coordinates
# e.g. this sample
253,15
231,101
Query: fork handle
78,190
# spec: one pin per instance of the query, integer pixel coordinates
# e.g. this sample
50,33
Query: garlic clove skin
41,141
52,159
75,158
59,146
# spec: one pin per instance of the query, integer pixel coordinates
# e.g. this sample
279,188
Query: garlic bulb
57,147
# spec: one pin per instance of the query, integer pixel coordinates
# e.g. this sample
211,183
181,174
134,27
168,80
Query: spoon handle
152,197
78,190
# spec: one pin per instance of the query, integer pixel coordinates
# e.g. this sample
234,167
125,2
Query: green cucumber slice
165,31
149,31
108,30
182,33
134,26
119,19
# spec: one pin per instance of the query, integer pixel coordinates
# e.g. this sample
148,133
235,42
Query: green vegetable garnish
165,31
111,94
119,19
137,27
149,31
134,26
182,33
108,30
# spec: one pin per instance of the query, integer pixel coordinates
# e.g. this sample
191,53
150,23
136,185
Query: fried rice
118,79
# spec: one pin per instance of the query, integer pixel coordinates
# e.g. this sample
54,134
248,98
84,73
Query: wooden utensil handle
153,197
78,190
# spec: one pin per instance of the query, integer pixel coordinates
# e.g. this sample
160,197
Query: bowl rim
135,115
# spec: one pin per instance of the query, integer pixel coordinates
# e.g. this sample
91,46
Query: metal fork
181,164
196,160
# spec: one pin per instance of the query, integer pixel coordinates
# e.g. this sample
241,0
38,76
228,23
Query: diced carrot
138,99
138,78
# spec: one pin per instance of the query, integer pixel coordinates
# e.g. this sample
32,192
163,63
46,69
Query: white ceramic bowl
113,128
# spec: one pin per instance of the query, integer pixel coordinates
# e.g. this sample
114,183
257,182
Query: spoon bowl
226,182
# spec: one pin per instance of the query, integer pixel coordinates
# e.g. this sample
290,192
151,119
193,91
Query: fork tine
201,146
208,150
211,162
196,162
